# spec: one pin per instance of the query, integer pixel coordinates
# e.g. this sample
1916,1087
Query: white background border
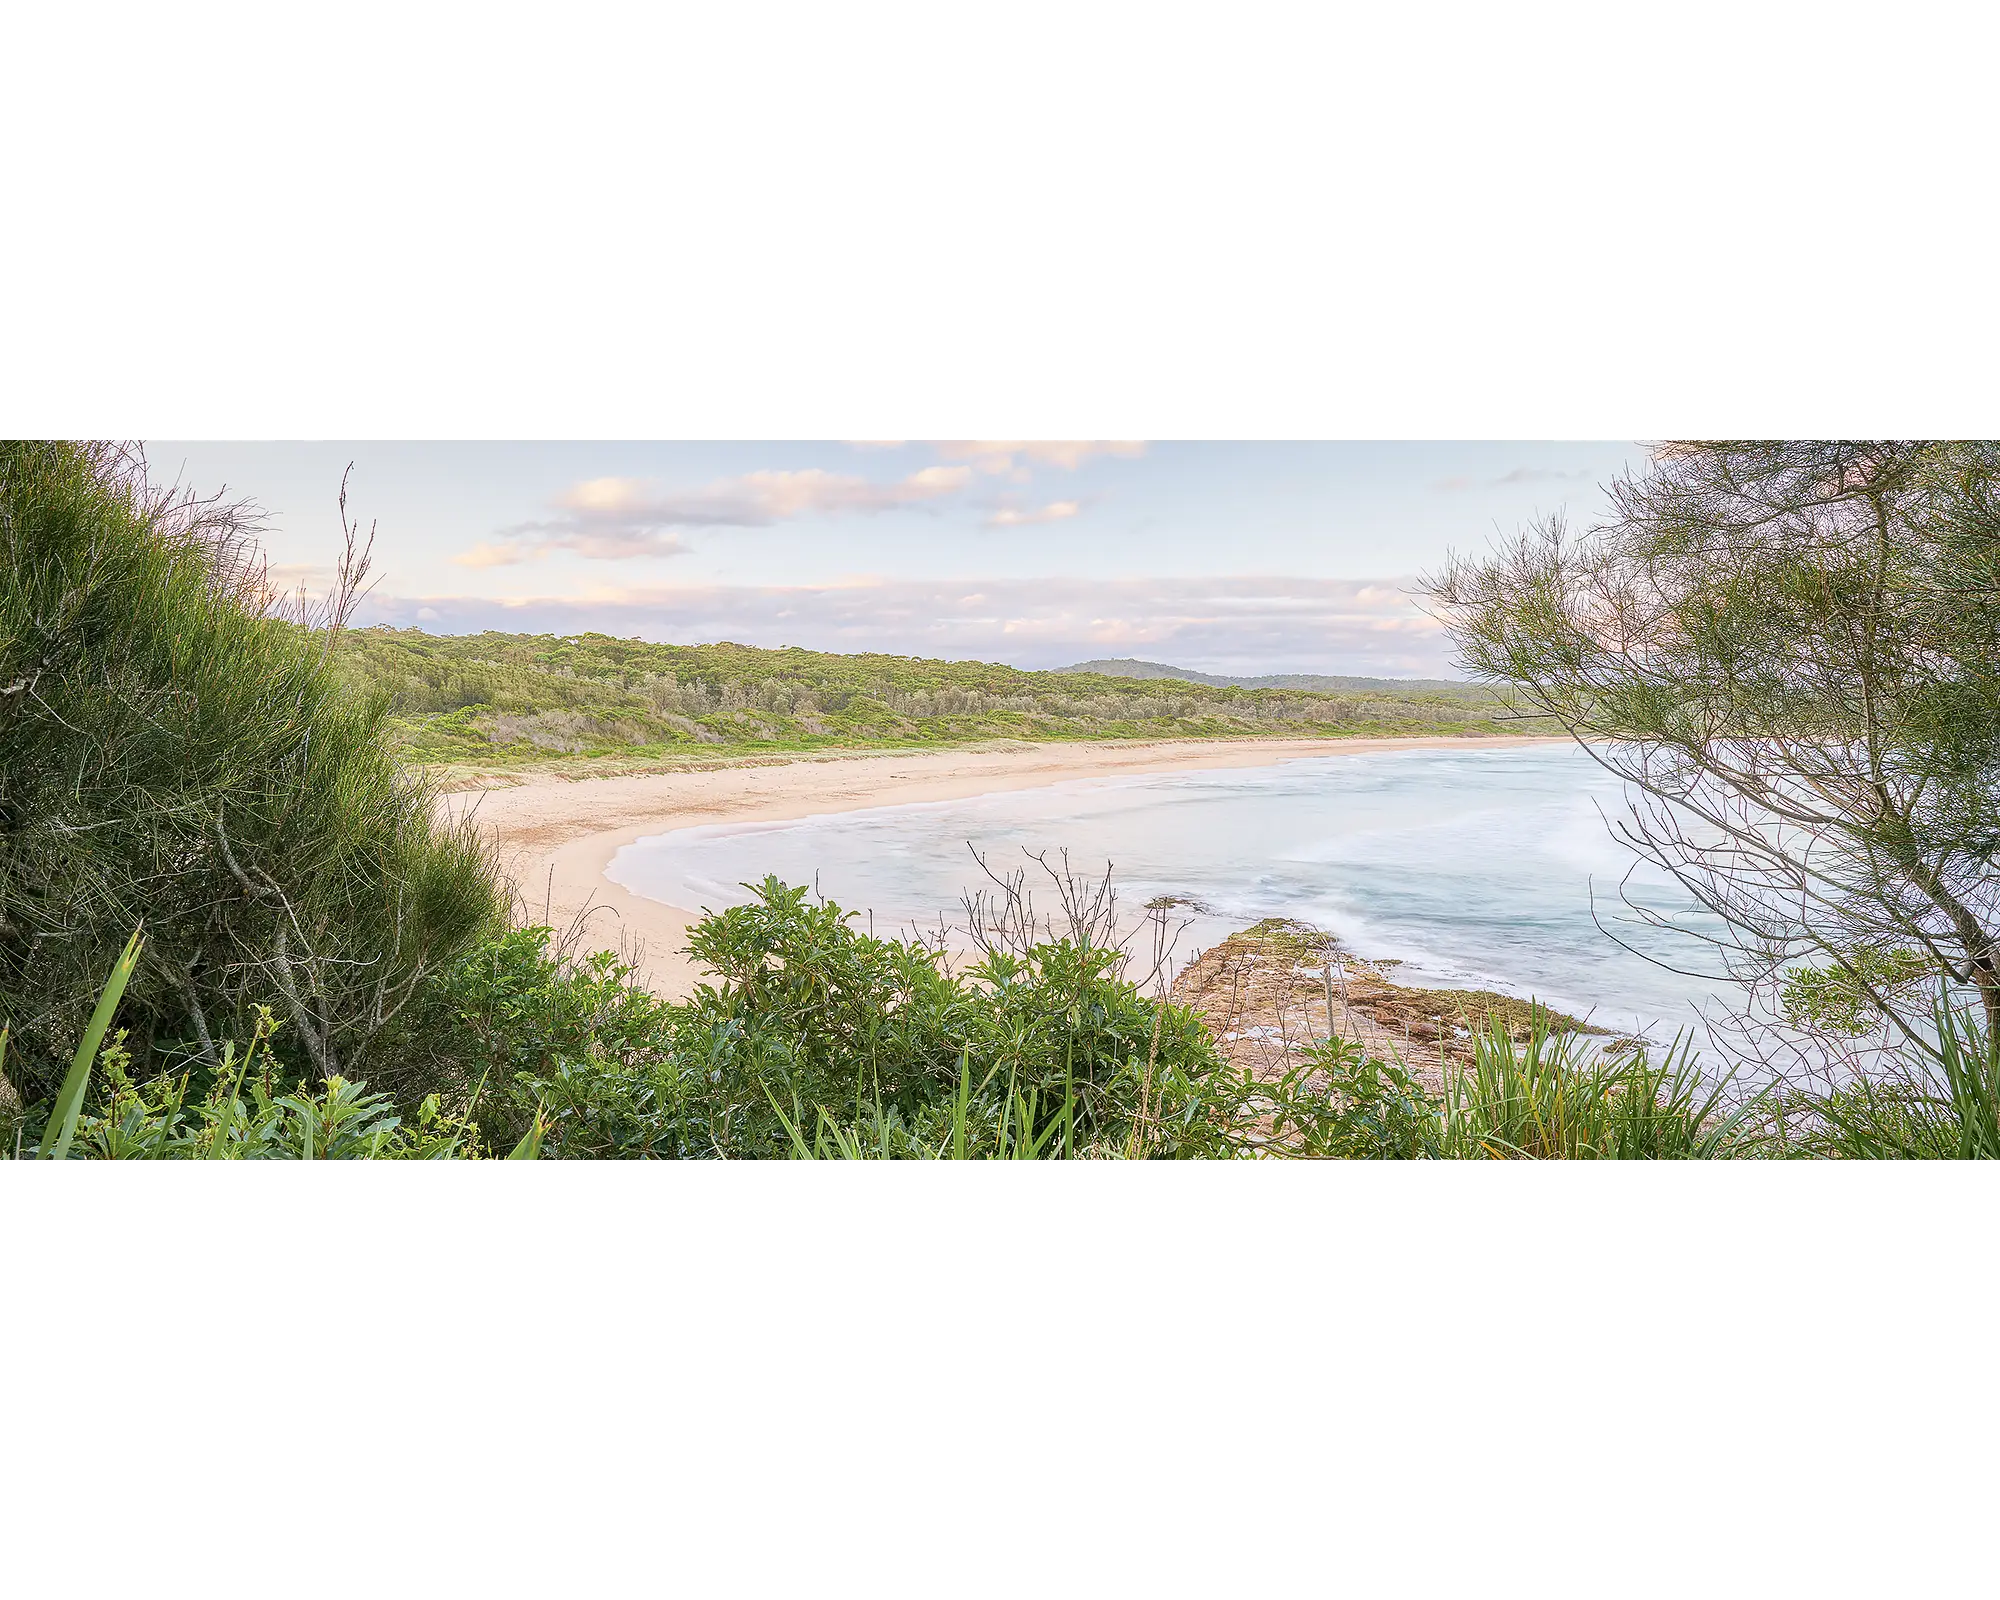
1032,221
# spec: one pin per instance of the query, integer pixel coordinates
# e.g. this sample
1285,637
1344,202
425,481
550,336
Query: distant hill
1127,668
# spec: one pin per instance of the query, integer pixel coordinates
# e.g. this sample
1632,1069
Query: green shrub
576,1039
815,1031
172,753
252,1121
1362,1109
820,1041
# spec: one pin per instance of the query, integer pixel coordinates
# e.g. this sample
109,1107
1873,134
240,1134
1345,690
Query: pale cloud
937,480
997,456
756,499
617,519
288,577
1238,624
1015,517
504,554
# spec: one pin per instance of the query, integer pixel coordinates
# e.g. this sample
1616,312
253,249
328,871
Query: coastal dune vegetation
498,701
233,925
822,1042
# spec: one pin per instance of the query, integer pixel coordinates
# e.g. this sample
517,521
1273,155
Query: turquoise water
1476,868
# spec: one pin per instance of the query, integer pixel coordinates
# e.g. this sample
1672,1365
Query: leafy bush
524,1027
251,1121
174,753
1365,1109
815,1027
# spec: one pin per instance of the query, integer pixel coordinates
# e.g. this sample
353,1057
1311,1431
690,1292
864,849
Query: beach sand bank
555,836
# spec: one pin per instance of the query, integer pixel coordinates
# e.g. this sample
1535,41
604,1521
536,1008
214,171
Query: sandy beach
555,836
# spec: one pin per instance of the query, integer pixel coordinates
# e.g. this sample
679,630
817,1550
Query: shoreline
556,836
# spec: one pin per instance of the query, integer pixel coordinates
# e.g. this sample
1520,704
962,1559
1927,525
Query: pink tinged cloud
618,519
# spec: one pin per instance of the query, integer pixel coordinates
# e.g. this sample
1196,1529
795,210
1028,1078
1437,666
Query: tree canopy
1792,650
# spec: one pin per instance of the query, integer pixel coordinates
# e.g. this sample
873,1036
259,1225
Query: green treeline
498,699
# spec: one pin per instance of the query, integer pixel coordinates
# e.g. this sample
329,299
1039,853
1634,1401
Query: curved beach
556,836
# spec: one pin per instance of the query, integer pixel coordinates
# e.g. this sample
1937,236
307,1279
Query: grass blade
69,1101
530,1147
225,1114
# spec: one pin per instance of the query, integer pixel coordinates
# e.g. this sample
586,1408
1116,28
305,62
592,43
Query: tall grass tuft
1919,1105
1553,1097
173,751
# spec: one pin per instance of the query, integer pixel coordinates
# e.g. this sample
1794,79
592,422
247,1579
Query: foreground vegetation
496,701
176,752
818,1041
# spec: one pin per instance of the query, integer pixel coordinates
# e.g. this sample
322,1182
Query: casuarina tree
1791,651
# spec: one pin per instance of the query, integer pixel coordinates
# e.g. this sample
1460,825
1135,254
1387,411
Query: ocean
1478,868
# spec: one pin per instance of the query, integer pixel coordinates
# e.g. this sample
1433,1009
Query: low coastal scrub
498,702
811,1025
818,1041
815,1027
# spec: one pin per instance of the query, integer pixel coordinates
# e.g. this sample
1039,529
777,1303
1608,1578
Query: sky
1238,558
